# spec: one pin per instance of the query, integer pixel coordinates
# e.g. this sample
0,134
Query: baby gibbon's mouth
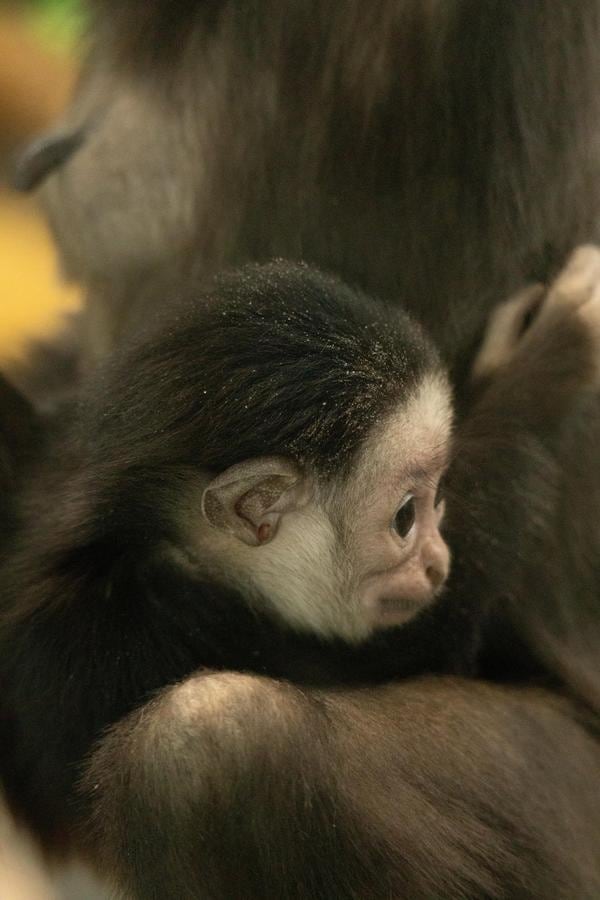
398,610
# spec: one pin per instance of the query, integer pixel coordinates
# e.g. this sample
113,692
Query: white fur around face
405,456
327,566
298,576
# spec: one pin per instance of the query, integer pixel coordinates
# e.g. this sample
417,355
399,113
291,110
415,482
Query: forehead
414,438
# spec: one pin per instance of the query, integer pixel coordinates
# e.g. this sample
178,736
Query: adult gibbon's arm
235,787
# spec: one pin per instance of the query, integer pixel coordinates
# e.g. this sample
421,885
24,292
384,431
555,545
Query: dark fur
276,359
437,153
241,788
19,433
96,619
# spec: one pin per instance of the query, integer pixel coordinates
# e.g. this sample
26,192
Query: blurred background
39,48
39,43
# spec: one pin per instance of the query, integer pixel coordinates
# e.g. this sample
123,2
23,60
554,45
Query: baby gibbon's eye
440,494
405,517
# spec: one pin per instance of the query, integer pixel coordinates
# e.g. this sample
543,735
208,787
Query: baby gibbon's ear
249,500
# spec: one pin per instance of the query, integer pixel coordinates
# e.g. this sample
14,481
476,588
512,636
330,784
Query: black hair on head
274,359
149,36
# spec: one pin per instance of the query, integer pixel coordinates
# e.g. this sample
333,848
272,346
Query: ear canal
264,533
248,500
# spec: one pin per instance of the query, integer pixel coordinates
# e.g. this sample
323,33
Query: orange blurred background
36,79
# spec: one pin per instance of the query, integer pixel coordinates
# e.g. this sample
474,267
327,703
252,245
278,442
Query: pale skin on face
329,559
401,559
